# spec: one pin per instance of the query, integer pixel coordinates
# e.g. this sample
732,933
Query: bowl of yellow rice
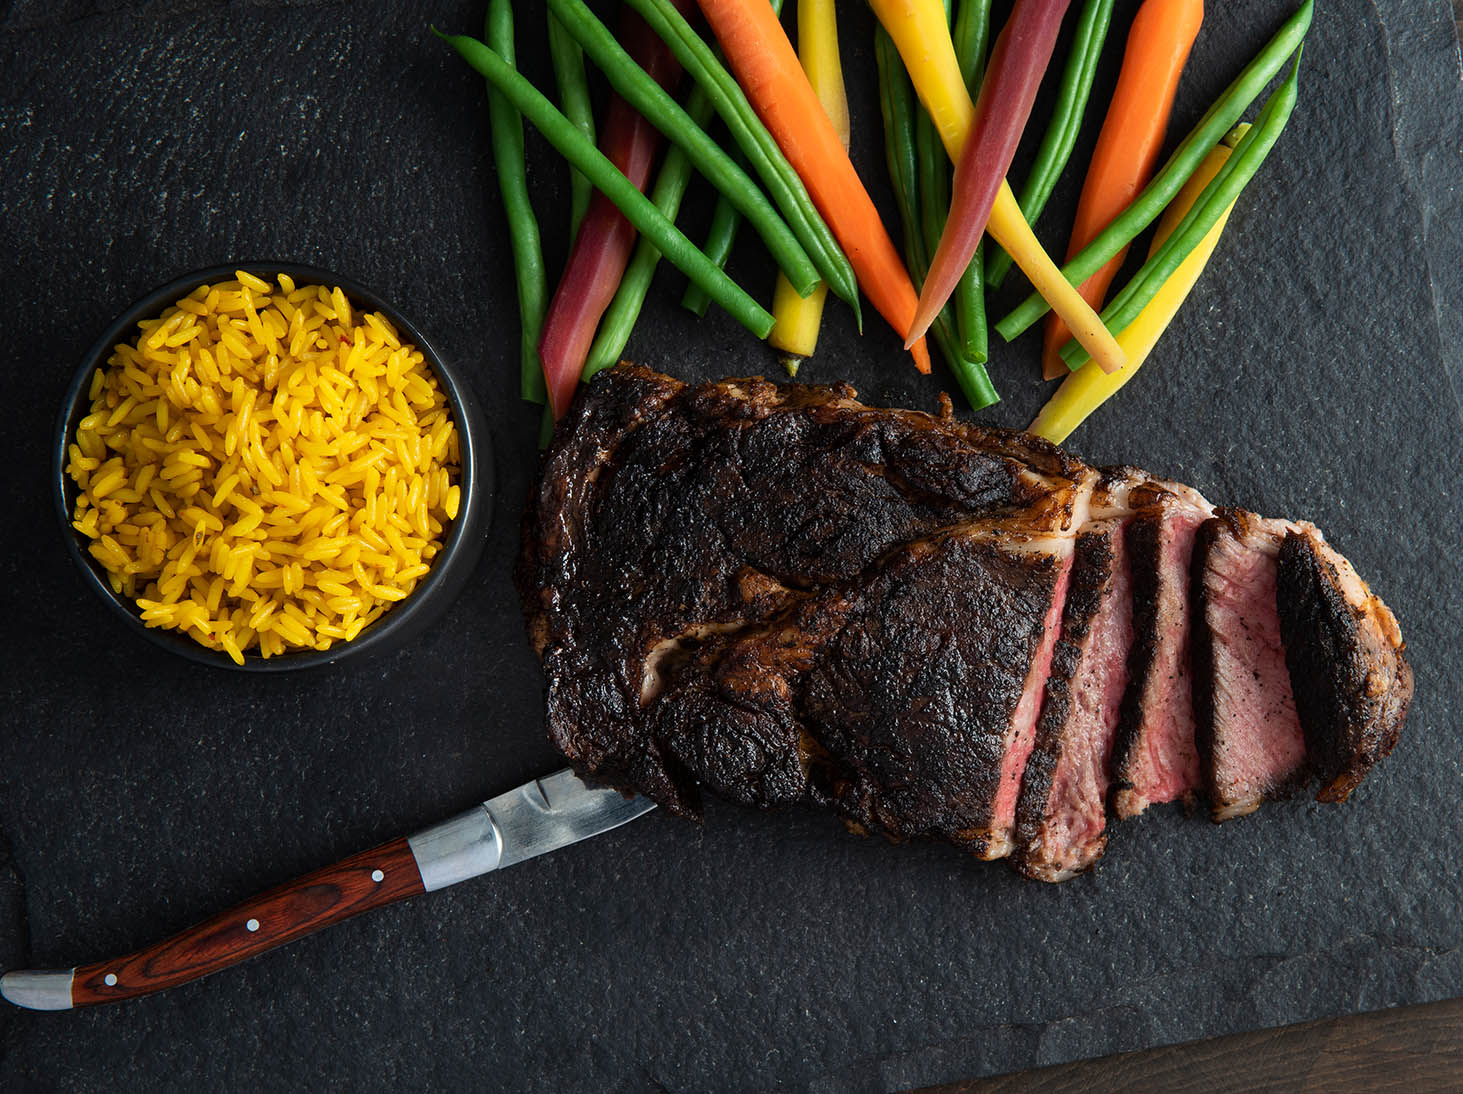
267,467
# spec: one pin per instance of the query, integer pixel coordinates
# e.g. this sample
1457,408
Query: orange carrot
764,63
1132,136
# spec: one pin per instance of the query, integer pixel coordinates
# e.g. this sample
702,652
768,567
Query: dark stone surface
139,792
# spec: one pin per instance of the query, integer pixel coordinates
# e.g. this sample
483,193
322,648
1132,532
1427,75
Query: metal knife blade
537,817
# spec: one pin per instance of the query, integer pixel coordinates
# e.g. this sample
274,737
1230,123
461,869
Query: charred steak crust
1352,683
867,699
665,510
728,720
586,440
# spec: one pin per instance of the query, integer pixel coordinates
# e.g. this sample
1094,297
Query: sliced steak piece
1344,650
1062,814
1251,747
925,699
1154,756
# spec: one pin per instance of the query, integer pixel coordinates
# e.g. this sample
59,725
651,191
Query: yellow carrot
1085,390
797,319
922,35
796,322
818,52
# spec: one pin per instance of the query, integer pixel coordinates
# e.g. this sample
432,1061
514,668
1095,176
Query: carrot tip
917,332
921,354
925,312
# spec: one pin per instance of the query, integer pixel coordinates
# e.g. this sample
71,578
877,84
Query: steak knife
537,817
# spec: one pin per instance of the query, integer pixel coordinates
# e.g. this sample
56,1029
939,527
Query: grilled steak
916,727
669,514
781,596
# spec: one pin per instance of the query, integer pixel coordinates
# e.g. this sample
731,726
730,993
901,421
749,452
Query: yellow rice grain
264,468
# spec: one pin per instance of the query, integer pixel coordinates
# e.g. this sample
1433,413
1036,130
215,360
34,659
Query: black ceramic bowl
450,569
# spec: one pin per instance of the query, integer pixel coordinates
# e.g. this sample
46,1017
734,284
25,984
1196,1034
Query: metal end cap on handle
38,990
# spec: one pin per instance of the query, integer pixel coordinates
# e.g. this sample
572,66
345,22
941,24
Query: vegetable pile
953,120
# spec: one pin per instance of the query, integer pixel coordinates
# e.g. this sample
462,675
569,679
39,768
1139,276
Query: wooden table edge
1414,1048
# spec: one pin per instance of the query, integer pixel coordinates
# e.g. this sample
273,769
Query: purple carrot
602,247
1017,64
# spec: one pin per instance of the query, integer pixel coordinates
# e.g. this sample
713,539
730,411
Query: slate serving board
138,792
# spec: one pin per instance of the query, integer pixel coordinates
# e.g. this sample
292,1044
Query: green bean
758,145
972,34
1128,302
969,299
931,180
660,108
573,85
725,220
523,237
1147,206
721,234
608,180
932,186
1221,192
898,108
618,321
974,380
1066,123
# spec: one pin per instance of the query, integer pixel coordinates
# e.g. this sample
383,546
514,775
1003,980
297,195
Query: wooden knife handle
357,884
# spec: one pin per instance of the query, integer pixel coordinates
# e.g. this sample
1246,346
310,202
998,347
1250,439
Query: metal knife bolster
530,820
455,850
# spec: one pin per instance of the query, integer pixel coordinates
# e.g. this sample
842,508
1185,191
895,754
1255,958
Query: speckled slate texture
139,793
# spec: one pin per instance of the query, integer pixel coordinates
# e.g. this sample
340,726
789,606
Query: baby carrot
1066,122
722,231
768,70
918,28
1233,177
1127,149
799,318
757,145
1145,208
